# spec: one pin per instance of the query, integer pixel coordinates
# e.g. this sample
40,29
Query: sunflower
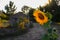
40,17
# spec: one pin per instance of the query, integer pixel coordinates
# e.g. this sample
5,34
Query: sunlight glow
44,2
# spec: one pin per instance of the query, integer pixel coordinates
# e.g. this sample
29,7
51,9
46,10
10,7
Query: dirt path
34,34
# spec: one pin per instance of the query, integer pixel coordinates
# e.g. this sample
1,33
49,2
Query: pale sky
20,3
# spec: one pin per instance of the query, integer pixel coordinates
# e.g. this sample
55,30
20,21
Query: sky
20,3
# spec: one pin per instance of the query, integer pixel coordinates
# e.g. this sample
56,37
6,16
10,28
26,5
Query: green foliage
40,8
54,9
4,23
47,25
3,15
22,22
10,9
45,37
50,36
51,32
49,15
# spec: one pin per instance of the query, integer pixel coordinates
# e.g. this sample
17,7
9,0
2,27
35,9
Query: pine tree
10,9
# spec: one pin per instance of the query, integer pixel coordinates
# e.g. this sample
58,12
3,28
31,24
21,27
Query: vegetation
43,16
22,23
10,9
54,9
4,17
44,19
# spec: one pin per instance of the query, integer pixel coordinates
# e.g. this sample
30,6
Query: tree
54,9
10,9
26,9
29,12
2,15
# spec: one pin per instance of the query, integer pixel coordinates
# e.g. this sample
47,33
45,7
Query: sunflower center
41,16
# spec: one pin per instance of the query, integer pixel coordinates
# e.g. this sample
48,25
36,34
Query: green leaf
55,35
45,37
49,15
47,25
49,30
